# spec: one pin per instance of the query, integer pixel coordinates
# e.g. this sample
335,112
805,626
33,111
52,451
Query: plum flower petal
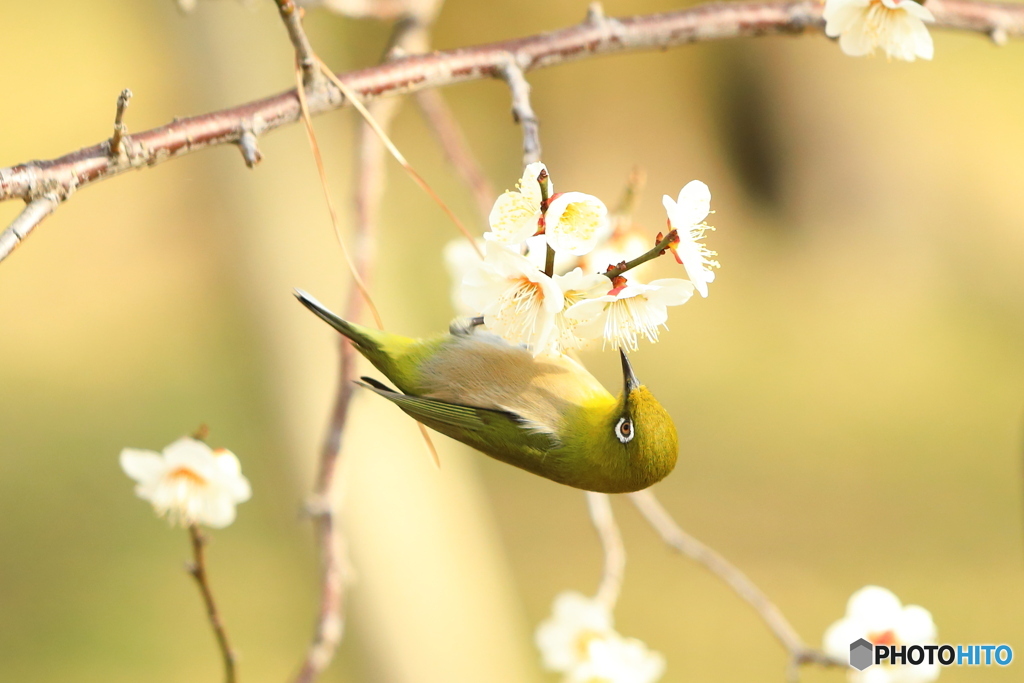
635,311
517,300
189,483
895,26
516,213
686,215
460,257
564,637
616,659
576,287
574,222
877,615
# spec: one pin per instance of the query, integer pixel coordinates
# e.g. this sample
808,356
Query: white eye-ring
624,430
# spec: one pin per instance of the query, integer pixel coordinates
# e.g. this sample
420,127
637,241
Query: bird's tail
364,338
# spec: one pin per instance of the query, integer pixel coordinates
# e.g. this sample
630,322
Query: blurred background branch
673,535
410,35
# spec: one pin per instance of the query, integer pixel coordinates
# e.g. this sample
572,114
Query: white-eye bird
546,414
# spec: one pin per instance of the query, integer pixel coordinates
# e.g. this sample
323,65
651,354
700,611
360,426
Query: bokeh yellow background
849,398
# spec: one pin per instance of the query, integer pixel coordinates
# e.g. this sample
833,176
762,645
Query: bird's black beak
627,374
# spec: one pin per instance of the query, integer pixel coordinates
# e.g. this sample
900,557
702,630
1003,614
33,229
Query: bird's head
644,431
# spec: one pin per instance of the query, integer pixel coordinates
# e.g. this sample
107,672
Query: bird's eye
624,430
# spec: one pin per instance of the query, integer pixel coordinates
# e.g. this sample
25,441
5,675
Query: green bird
546,415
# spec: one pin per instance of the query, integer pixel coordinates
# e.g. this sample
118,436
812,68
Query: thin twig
522,109
197,568
673,535
291,16
250,148
31,216
120,130
456,149
701,23
614,569
663,244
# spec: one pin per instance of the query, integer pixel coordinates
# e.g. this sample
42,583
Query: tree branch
197,568
673,535
31,216
291,16
522,110
410,34
596,36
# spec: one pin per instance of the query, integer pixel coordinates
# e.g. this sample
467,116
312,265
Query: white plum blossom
574,222
877,615
615,659
516,213
564,638
517,300
629,312
686,215
895,26
189,483
576,287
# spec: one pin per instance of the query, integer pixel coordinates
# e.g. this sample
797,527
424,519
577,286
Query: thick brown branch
715,21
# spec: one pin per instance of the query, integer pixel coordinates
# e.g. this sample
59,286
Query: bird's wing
475,419
466,417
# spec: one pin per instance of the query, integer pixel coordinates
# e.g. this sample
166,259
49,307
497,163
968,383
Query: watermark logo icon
861,654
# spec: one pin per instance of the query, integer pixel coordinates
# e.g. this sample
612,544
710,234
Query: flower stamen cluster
518,292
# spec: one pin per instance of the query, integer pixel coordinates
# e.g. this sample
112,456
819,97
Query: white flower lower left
189,482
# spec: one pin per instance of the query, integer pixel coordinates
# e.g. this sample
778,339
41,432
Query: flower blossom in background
460,258
686,215
575,620
579,640
189,483
517,300
516,213
614,659
895,26
631,312
877,615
